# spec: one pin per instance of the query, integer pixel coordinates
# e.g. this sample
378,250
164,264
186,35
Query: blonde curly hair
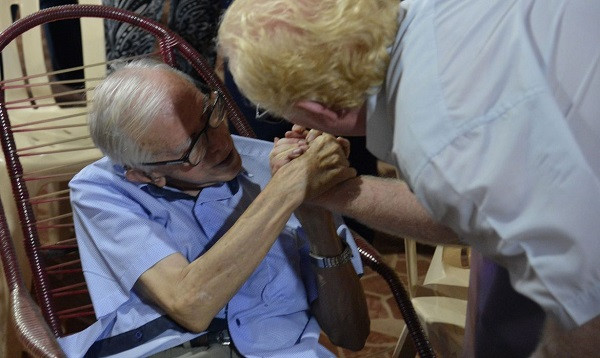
329,51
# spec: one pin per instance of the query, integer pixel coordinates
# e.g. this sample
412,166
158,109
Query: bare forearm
210,281
341,306
192,293
387,205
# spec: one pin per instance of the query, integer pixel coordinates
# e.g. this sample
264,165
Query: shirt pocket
282,267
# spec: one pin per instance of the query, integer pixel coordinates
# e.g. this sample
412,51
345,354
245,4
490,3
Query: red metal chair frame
31,328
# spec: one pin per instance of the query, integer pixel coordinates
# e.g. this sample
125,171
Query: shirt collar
215,192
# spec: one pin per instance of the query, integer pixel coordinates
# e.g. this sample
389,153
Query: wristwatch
328,262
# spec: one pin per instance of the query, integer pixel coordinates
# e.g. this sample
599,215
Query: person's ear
318,109
140,176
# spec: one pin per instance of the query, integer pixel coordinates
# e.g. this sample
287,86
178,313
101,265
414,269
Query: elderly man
488,109
189,249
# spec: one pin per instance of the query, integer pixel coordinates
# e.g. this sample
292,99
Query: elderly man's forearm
205,285
341,307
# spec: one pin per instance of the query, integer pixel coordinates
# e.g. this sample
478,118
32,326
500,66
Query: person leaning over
488,109
188,245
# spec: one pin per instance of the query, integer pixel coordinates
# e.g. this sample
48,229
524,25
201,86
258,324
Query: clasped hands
314,161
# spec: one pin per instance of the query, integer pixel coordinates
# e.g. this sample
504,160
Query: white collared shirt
491,111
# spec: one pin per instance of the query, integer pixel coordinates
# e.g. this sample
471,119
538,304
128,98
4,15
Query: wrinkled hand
322,166
294,144
284,151
299,132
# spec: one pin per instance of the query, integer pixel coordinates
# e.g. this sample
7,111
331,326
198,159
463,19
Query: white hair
124,106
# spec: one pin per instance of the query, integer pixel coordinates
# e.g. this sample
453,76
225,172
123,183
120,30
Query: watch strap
334,261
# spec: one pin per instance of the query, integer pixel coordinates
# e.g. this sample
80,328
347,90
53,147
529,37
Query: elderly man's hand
320,167
294,144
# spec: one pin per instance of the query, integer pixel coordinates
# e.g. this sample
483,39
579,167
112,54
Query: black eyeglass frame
206,116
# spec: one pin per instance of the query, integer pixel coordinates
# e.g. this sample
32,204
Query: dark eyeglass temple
260,113
263,115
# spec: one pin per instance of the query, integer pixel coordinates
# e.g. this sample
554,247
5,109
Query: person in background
194,20
63,40
488,110
188,245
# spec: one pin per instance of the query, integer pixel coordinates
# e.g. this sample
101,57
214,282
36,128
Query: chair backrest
21,156
447,274
22,58
48,125
440,298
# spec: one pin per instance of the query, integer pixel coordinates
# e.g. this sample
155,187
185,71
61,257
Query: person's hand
322,166
297,131
345,144
300,132
288,148
285,150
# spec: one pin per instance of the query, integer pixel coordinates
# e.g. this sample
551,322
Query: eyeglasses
213,114
263,115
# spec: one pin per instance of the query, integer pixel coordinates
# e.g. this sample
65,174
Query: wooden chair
55,261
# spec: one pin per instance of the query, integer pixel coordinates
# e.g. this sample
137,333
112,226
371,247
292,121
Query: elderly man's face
170,136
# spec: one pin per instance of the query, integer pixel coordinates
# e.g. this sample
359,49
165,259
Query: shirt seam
470,126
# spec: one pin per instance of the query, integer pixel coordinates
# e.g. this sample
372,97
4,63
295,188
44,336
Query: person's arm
341,307
387,205
193,293
384,204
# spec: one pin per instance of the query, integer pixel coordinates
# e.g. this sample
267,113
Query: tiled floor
386,320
